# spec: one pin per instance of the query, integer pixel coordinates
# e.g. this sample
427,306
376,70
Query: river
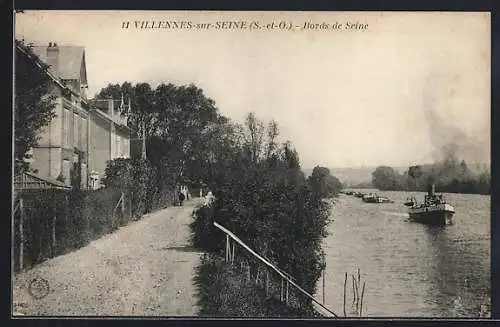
410,269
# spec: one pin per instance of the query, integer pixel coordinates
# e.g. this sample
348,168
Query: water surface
410,269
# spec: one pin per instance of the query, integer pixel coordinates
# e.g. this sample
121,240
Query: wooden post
248,272
345,284
323,286
232,254
281,290
267,282
21,233
130,207
287,283
53,235
123,205
362,294
353,290
357,295
227,248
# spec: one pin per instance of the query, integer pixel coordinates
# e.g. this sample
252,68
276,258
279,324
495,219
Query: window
84,176
66,171
127,147
83,133
64,127
124,144
118,146
69,127
76,130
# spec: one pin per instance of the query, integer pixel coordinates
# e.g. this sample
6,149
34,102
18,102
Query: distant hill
353,175
357,175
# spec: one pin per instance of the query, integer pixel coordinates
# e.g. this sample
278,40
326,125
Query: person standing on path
181,198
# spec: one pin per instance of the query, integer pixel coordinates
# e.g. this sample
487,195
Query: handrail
279,271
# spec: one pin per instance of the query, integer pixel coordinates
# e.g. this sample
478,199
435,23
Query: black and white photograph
251,164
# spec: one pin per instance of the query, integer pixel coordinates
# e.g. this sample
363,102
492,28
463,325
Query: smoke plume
450,142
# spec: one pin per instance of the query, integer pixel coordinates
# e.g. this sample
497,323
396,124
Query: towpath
143,269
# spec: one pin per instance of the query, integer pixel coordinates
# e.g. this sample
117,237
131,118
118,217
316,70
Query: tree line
451,176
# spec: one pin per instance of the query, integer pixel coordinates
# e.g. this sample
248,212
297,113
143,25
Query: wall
121,144
47,161
51,134
100,145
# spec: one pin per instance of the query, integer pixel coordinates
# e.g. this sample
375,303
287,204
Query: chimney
53,58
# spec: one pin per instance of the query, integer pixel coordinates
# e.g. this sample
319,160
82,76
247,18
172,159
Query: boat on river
433,211
374,198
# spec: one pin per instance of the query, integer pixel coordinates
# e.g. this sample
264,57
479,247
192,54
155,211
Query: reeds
357,296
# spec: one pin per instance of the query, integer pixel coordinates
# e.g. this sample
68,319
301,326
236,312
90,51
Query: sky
402,91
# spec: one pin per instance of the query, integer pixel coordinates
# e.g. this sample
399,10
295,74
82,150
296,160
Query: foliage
34,103
323,183
138,178
177,121
451,175
386,178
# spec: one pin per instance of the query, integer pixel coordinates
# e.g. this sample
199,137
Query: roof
70,61
108,118
28,180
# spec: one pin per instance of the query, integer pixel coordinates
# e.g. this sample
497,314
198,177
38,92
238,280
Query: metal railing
285,277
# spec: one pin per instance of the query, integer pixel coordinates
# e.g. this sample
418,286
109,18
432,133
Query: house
109,136
91,132
65,141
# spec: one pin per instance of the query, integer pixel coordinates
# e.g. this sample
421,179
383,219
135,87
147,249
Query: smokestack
53,58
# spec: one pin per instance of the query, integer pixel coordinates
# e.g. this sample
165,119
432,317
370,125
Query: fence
273,278
51,222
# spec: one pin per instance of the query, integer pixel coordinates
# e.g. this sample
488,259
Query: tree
175,123
34,103
386,178
323,183
272,134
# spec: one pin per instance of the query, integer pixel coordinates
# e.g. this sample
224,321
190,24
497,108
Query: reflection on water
411,270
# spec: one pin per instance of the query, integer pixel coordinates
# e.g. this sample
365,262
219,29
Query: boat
409,202
359,194
433,211
374,198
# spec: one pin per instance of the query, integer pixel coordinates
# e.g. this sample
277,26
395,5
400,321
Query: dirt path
145,268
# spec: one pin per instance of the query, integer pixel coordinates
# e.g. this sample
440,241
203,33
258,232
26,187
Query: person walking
181,198
209,198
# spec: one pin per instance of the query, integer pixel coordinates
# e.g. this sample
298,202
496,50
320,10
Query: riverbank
226,290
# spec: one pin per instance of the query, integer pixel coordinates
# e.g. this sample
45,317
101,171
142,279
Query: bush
139,179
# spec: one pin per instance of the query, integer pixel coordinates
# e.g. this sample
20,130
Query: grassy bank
227,290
